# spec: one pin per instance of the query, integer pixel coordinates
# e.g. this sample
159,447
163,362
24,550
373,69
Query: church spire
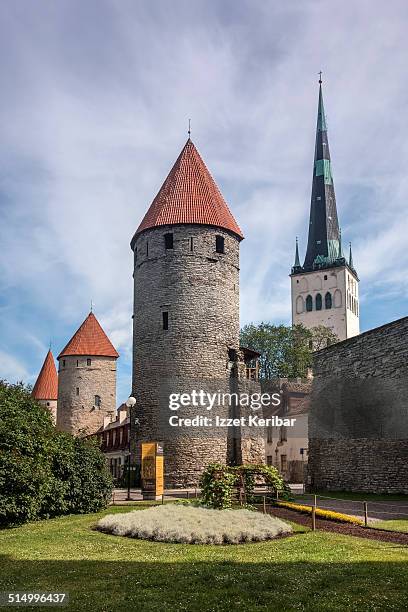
323,242
351,264
296,266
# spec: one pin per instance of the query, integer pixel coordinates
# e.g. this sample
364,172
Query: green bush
43,472
219,481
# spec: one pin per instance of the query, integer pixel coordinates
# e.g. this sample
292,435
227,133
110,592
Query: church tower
86,380
45,390
325,288
186,307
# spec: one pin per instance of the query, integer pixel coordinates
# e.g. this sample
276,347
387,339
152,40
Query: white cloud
94,109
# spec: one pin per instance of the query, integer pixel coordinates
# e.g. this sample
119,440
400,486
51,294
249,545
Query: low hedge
321,513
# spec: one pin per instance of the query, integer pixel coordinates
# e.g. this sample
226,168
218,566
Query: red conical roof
46,385
189,195
90,339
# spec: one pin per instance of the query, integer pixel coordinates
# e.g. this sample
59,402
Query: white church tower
325,288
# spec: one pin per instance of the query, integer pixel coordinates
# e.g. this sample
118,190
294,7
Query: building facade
186,311
86,380
324,289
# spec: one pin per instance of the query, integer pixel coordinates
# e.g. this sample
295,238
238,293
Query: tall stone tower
86,380
45,389
325,288
186,305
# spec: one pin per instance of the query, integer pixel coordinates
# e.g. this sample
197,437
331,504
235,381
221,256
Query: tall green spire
323,241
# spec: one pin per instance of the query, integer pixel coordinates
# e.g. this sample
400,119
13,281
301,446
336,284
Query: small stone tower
86,380
186,305
45,389
325,288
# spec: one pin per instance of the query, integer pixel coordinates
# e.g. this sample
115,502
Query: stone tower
45,389
86,380
186,305
325,288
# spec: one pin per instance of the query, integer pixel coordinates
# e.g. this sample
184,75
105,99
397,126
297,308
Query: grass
316,571
398,525
357,496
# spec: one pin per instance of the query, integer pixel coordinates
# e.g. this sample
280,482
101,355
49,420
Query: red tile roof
46,385
90,339
189,195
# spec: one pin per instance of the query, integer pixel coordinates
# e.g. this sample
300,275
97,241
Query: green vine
218,483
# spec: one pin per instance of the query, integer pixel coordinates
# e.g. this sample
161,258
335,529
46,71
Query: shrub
191,525
43,472
322,513
218,482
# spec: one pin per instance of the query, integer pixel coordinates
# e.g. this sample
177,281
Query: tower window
98,401
88,362
318,301
77,362
63,363
168,241
77,390
191,244
328,300
147,248
48,403
309,303
325,277
219,244
165,316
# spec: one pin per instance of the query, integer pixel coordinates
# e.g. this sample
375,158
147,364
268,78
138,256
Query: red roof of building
189,195
46,385
90,339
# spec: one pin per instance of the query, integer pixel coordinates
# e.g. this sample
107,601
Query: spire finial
189,128
91,306
50,343
351,263
320,77
297,259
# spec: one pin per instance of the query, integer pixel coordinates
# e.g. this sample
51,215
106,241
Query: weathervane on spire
91,306
320,77
189,128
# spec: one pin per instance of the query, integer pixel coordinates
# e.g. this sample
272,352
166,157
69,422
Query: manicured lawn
355,496
308,571
399,525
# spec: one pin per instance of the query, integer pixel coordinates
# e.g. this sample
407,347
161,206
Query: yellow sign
152,470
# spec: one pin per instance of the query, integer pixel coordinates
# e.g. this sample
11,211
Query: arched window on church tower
309,303
328,300
319,301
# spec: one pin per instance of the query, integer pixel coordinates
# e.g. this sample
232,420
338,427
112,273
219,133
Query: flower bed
321,513
194,525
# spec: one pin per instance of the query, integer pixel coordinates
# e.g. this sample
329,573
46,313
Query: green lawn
308,571
373,497
398,525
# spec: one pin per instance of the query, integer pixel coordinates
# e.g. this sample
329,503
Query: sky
94,108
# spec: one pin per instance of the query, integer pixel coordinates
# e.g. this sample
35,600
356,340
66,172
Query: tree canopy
44,472
286,351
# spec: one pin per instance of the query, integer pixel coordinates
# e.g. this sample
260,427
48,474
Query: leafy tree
286,351
44,472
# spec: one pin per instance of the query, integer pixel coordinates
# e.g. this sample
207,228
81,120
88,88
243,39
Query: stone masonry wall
199,289
76,410
358,417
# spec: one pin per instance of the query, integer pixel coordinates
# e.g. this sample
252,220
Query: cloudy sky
94,106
